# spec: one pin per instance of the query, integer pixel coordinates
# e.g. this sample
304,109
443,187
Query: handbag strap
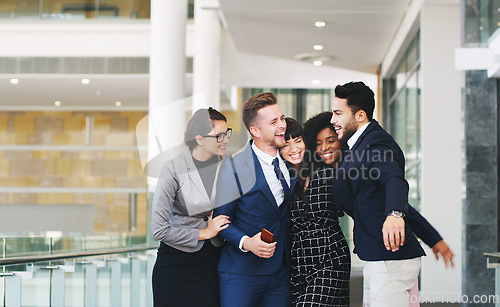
236,176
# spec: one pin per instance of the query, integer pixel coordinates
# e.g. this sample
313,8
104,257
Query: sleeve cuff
241,244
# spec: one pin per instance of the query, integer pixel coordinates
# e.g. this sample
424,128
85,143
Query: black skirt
186,279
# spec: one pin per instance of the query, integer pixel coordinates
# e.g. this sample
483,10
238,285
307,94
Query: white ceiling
356,37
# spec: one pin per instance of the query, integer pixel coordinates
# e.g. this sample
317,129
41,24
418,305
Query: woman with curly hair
321,260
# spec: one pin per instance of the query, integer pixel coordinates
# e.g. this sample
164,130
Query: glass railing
38,245
75,9
79,271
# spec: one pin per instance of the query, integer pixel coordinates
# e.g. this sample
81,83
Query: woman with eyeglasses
185,272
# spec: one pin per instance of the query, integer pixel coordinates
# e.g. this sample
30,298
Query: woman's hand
215,225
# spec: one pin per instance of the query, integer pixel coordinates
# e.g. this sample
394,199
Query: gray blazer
181,205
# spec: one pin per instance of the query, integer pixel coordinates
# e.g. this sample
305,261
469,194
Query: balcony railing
82,275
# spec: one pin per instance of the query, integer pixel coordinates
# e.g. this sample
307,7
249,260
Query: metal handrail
52,257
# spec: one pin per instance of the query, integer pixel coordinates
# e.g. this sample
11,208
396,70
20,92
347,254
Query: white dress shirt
354,138
268,169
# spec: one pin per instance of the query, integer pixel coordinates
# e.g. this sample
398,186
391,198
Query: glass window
400,76
398,119
287,101
412,119
75,9
300,104
413,178
412,58
317,101
401,101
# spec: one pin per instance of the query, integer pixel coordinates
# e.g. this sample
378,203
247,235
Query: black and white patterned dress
321,261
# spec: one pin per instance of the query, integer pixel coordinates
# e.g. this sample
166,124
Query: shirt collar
264,156
354,138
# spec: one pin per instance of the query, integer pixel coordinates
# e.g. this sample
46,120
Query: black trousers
186,279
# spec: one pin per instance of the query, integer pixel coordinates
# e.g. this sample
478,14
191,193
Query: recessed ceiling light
85,81
320,24
318,47
118,103
57,103
14,81
315,81
317,63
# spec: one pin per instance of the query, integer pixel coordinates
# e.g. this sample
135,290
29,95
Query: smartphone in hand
267,236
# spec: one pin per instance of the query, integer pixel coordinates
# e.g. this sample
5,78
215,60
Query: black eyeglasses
220,136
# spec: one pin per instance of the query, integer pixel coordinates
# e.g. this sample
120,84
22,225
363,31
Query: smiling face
210,144
269,129
328,146
294,150
343,120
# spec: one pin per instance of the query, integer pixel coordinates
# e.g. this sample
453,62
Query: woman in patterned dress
321,261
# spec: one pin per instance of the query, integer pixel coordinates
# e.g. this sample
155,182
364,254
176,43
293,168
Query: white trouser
388,283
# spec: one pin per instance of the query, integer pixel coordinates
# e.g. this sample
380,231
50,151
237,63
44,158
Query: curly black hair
312,127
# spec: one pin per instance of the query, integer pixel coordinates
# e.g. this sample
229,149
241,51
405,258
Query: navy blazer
369,184
249,213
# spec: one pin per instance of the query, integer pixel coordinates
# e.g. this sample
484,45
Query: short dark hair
201,123
254,104
358,96
293,129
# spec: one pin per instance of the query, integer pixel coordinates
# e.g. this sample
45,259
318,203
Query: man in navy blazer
253,189
371,186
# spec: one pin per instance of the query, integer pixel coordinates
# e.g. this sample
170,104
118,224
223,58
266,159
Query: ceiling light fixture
315,81
318,47
14,81
57,103
317,63
118,103
320,24
85,81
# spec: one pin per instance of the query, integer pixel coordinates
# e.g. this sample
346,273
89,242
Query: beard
276,144
349,129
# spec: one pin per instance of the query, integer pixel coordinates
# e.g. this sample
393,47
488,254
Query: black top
207,170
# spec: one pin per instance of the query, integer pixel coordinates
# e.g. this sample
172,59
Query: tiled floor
357,292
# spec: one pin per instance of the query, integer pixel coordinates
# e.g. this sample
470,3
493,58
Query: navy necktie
280,176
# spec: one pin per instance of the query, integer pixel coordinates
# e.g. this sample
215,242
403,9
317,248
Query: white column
442,136
206,61
167,70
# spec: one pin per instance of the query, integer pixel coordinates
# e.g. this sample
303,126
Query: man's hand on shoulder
393,232
441,248
259,247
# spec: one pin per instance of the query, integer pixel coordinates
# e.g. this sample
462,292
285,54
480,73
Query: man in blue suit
371,186
253,189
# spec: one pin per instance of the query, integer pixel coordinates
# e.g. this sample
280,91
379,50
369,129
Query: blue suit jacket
255,210
369,184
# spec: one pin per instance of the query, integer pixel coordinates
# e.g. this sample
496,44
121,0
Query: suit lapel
250,160
350,153
194,176
261,181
